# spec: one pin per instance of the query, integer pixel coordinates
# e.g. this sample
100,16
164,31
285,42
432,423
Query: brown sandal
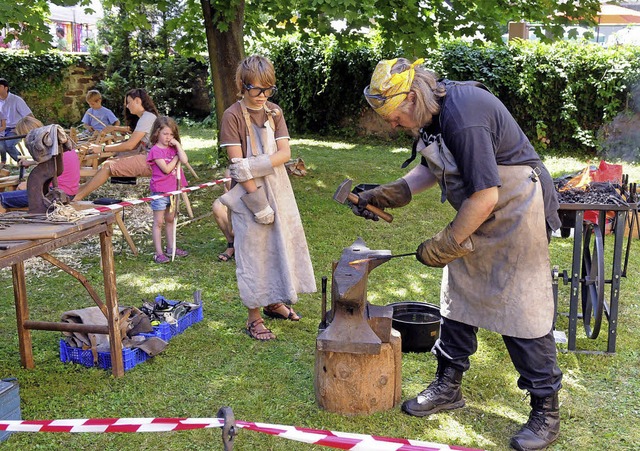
270,311
258,331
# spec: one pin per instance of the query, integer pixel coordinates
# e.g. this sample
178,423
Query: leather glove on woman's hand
442,249
243,169
259,205
391,195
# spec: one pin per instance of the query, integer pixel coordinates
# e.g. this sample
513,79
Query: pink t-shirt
161,182
69,180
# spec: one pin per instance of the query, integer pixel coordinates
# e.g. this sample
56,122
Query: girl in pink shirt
163,159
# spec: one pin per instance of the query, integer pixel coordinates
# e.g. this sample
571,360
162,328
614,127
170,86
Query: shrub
561,94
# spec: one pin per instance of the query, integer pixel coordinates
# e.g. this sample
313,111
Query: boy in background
97,117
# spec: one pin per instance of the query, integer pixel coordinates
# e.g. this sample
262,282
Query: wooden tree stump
360,384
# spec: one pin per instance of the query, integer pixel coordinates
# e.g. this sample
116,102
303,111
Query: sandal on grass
272,312
223,256
257,330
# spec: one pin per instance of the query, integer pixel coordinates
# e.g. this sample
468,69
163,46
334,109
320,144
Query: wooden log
360,384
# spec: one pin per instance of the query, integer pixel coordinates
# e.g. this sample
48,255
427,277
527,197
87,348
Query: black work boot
543,426
443,393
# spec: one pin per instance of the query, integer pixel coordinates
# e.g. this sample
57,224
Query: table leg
187,204
111,300
125,232
22,315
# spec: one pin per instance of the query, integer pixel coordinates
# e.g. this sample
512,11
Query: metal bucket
418,324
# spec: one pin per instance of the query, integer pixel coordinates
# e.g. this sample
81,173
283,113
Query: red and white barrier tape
129,203
339,440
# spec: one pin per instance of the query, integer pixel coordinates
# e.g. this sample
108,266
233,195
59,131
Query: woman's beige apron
505,284
272,261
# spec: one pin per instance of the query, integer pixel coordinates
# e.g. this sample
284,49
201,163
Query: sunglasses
378,100
255,92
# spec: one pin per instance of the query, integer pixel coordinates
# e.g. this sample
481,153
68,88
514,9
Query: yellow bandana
392,88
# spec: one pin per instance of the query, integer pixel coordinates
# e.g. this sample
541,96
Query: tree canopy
28,19
222,26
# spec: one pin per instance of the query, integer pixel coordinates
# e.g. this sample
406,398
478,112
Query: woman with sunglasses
272,258
495,249
131,155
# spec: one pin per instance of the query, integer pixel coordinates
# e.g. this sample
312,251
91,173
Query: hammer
344,194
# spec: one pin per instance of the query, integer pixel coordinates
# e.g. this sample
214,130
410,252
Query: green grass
214,364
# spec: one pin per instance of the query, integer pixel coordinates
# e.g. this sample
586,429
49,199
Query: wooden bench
9,183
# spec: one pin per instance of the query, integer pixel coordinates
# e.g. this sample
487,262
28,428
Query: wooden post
111,299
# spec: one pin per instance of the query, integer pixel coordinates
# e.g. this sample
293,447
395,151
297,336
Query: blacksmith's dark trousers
534,359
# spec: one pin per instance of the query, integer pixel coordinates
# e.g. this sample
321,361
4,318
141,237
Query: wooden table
21,241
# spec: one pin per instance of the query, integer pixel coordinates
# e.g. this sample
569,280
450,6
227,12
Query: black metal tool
21,173
387,257
323,320
229,428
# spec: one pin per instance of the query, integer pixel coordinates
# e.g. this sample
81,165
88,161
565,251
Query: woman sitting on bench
131,158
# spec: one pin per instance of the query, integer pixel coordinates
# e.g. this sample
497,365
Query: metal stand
587,276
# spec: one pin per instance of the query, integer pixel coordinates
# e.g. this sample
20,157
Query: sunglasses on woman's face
255,92
377,100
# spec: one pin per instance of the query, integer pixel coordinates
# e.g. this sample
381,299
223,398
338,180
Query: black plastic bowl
418,324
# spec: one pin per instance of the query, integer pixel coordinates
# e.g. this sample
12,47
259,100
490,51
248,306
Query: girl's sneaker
161,258
179,252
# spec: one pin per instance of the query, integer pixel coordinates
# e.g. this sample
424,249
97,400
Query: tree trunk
226,50
360,384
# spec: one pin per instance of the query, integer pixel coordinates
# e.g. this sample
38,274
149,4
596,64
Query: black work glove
390,195
442,249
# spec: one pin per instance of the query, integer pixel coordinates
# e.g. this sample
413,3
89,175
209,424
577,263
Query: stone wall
78,81
65,104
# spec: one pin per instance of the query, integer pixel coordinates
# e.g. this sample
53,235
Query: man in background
13,109
61,41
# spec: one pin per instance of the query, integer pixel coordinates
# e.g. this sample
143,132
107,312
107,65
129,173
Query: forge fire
588,187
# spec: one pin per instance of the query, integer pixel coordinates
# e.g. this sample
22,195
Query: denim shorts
160,204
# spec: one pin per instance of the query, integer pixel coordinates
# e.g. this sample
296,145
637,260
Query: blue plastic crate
130,356
167,331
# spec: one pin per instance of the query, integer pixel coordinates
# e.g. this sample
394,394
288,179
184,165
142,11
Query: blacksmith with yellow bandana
494,251
387,91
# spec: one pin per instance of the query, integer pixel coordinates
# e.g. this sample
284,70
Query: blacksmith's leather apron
505,284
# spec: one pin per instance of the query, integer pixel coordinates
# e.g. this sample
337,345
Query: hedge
561,94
